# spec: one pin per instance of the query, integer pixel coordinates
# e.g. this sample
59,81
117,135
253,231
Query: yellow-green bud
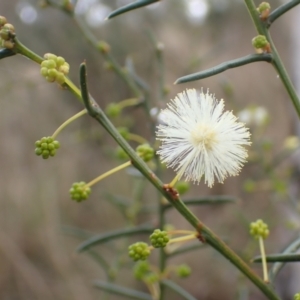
291,143
263,6
3,21
103,47
65,68
182,187
145,151
259,229
60,61
50,56
264,10
60,78
297,296
260,42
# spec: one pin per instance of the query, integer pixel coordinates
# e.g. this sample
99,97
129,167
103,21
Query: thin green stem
279,11
66,123
235,63
276,61
110,172
183,239
205,234
264,262
278,258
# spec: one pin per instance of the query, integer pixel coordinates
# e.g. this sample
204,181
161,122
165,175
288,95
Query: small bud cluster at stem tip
54,68
141,269
297,296
46,147
139,251
159,239
113,110
79,191
264,10
259,229
261,44
183,271
7,33
145,151
103,47
182,187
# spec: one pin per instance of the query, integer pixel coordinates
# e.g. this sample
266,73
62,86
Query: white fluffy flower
199,139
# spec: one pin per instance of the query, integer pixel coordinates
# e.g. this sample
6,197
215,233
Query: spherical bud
50,56
44,71
159,239
151,278
139,251
264,10
60,61
52,73
297,296
103,47
79,191
4,34
46,147
145,151
182,187
259,229
183,271
3,21
113,110
141,269
60,78
65,68
259,41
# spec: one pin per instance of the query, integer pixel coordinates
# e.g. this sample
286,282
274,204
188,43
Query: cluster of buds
139,251
54,68
159,239
79,191
259,229
145,152
46,147
261,44
7,33
264,10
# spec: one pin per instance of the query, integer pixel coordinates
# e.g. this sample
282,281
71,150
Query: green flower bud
52,73
260,42
139,251
183,271
182,187
60,61
46,147
113,110
79,191
159,239
145,151
3,21
151,278
264,10
65,68
259,229
103,47
44,71
50,56
141,268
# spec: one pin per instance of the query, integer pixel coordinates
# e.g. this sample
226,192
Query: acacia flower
198,138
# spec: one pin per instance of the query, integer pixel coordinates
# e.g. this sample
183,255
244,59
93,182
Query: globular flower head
198,138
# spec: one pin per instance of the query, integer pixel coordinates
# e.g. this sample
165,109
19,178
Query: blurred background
40,227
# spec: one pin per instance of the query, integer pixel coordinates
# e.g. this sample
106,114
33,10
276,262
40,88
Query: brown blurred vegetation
38,261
